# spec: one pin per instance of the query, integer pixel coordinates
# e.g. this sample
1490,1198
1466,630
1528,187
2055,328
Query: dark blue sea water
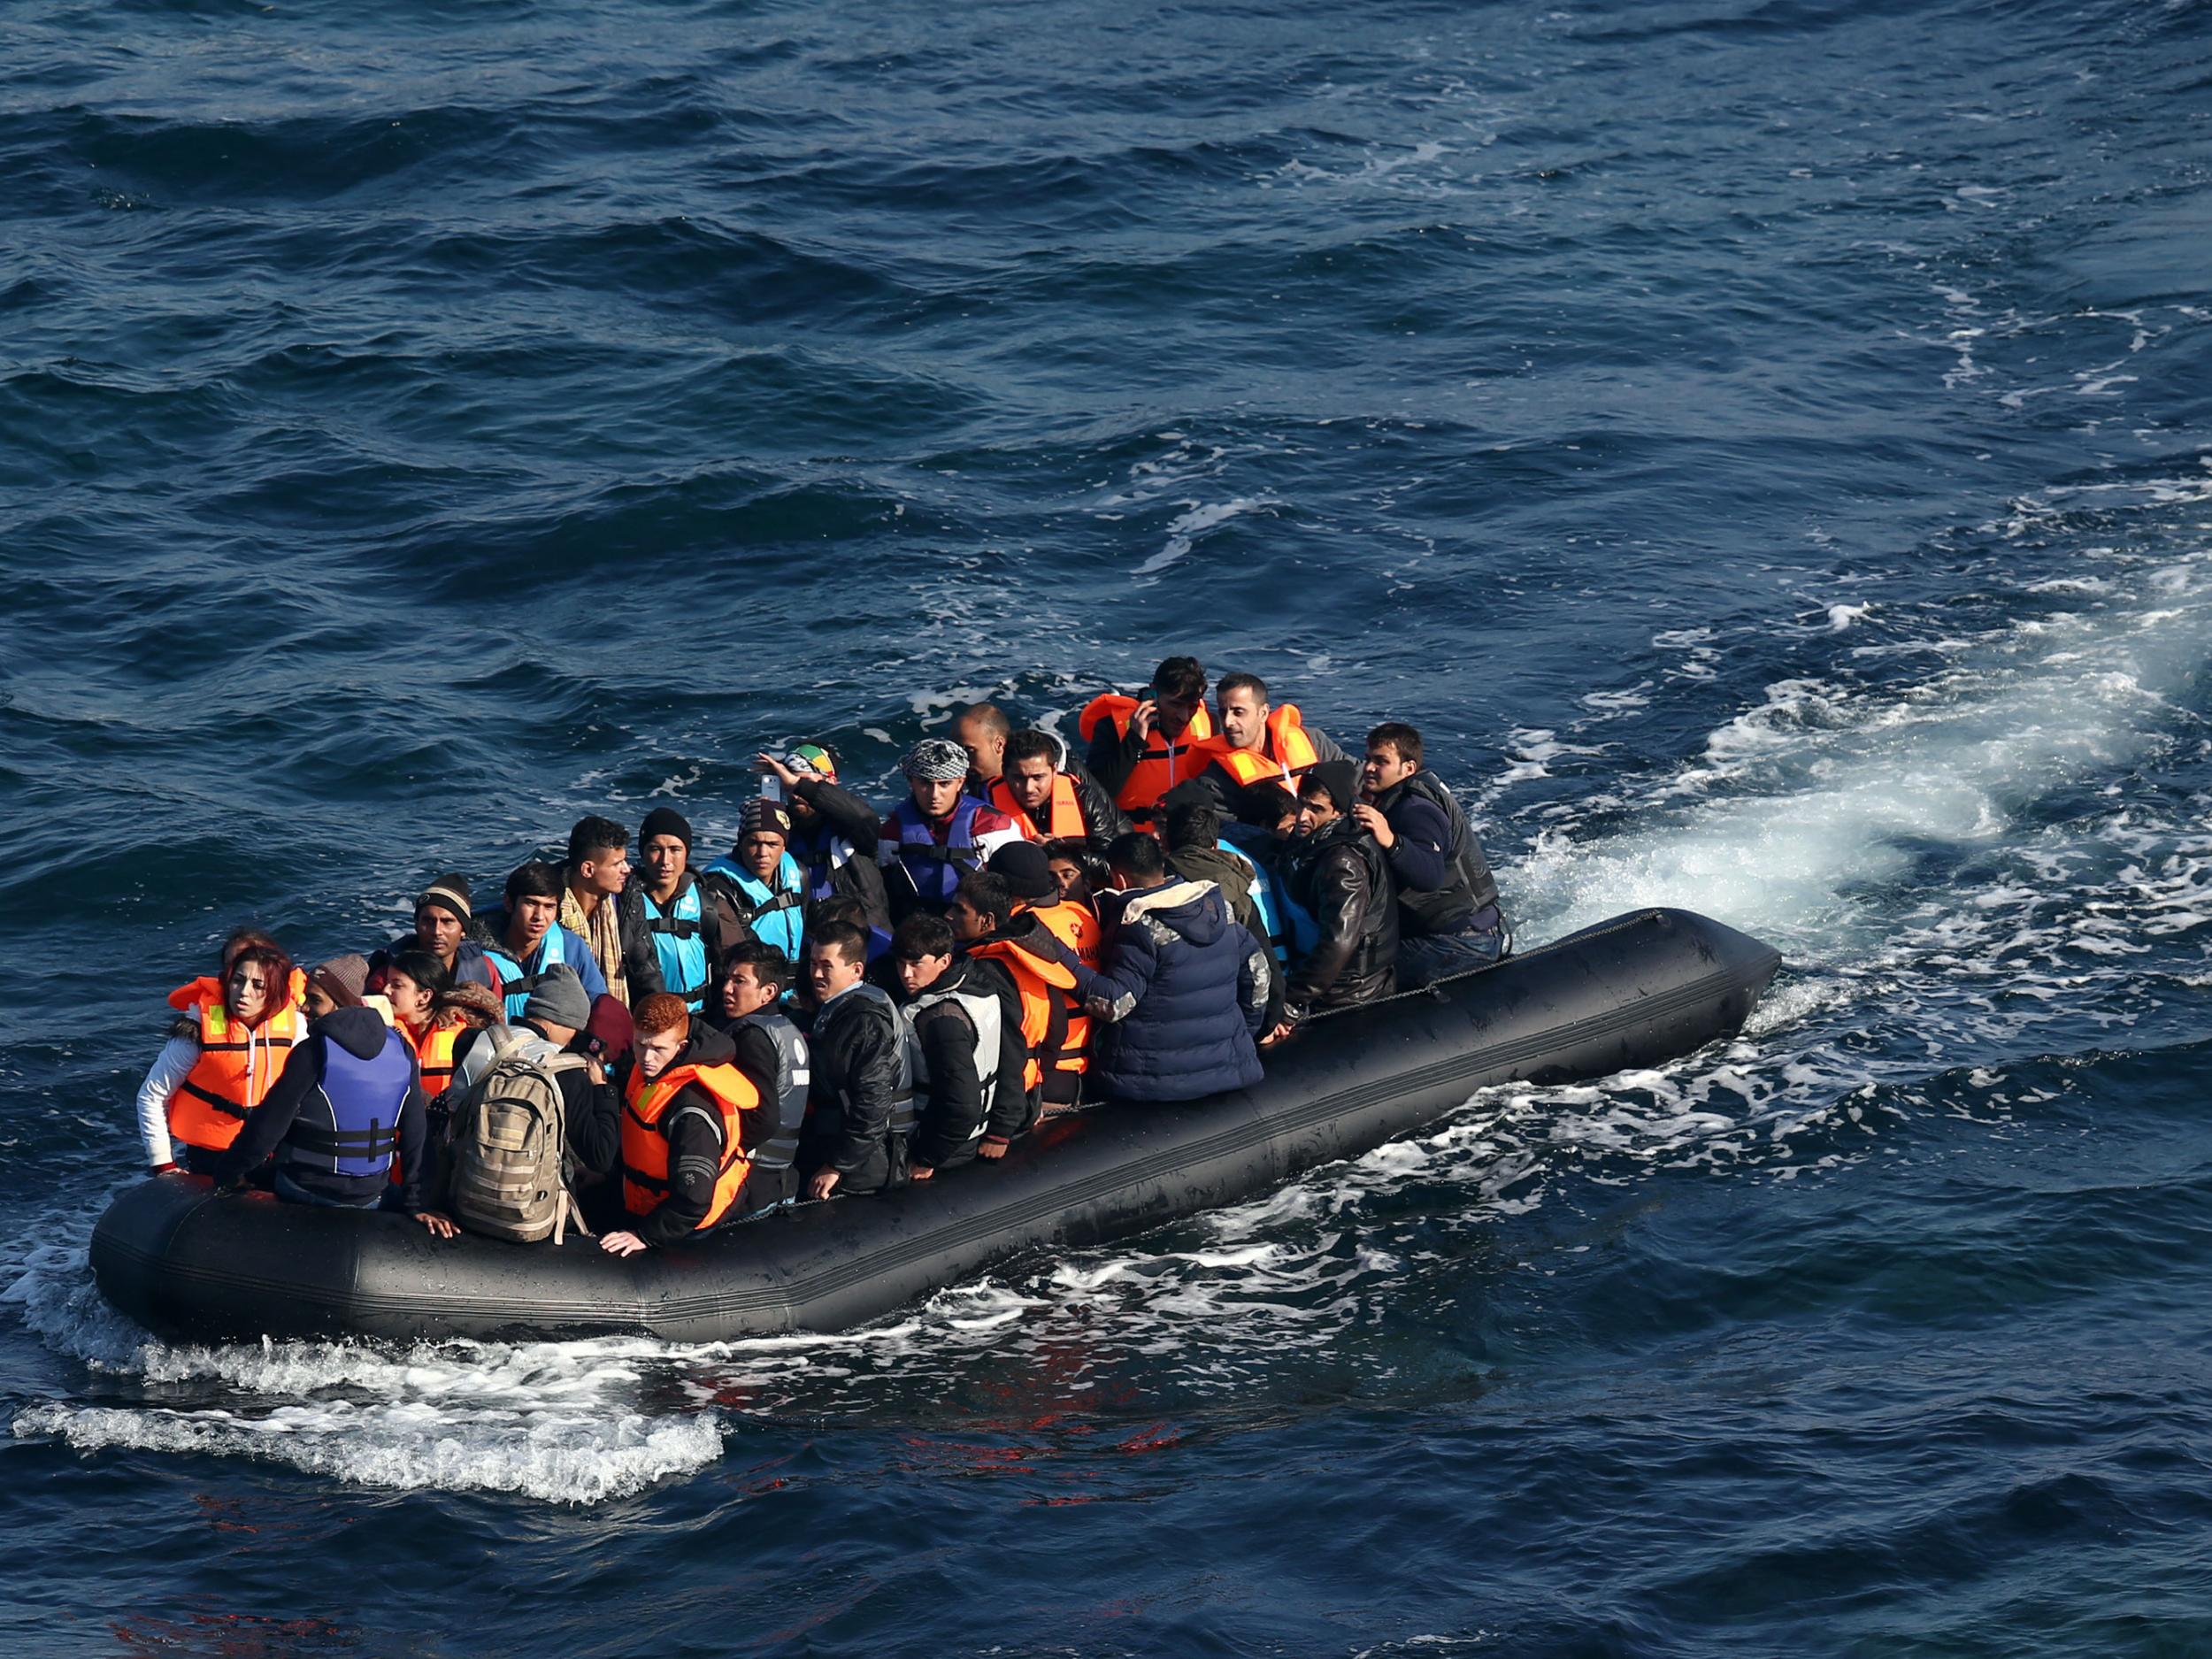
1765,444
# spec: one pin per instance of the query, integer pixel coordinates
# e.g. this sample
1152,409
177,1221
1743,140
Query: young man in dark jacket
1184,991
773,1053
1449,918
346,1097
959,1055
862,1097
1339,875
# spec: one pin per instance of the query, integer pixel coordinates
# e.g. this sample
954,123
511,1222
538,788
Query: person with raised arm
1141,748
833,831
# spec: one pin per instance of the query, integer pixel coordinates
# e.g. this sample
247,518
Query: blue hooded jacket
1183,991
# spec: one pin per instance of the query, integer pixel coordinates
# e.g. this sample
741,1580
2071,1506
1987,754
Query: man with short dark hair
1185,988
862,1097
1142,747
760,889
600,906
688,933
1259,743
1341,877
529,938
1047,802
446,927
1449,918
955,1026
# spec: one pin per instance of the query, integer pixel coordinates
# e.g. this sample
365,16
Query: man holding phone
1142,747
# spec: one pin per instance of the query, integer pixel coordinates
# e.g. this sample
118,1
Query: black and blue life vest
935,868
794,1077
347,1126
680,941
1290,927
516,980
777,913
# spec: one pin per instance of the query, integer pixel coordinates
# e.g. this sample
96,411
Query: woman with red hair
222,1056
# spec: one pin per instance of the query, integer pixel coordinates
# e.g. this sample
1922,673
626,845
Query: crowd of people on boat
848,1000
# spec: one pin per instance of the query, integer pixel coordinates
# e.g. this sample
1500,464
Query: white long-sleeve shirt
170,1067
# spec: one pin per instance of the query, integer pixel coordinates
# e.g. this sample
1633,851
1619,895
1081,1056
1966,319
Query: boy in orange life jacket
684,1164
1047,804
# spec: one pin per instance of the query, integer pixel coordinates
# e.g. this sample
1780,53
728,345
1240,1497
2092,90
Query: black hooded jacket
363,1034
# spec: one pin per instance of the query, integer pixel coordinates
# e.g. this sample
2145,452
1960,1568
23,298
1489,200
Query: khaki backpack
507,1170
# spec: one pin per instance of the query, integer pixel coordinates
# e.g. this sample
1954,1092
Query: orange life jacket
1166,761
1073,925
433,1050
1063,813
645,1149
238,1065
1284,756
1054,1024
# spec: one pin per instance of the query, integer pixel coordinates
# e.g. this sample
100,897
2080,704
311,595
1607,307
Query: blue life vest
518,981
1290,927
935,868
680,942
777,914
346,1127
826,854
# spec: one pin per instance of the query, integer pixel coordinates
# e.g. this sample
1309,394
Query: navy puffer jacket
1181,999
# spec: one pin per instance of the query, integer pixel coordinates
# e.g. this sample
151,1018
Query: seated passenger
599,905
1026,870
208,987
1047,803
529,938
938,833
221,1059
1197,851
958,1050
759,890
1081,873
1185,990
413,986
685,1167
982,730
772,1052
347,1100
1141,748
340,982
1339,875
688,935
1039,966
1448,918
833,831
862,1097
1259,744
446,927
555,1020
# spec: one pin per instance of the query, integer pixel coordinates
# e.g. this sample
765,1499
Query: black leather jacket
1342,878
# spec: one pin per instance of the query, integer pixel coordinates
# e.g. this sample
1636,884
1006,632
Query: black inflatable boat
1641,989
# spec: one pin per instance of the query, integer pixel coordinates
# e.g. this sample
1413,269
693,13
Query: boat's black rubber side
1637,991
